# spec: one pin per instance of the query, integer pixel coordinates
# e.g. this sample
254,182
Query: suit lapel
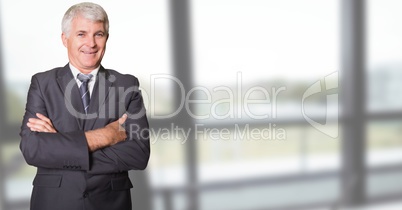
99,95
72,98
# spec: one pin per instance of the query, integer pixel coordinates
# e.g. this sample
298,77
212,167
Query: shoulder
49,74
122,78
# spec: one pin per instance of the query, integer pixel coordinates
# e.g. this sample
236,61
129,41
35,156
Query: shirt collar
75,71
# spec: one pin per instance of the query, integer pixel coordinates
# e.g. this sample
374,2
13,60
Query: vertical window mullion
353,185
182,67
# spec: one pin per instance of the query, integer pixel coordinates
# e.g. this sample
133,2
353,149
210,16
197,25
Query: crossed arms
59,143
96,139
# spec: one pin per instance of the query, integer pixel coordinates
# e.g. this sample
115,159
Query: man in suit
83,147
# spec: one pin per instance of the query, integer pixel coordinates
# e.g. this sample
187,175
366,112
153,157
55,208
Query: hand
115,131
111,134
43,124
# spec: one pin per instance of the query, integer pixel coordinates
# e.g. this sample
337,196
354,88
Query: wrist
95,139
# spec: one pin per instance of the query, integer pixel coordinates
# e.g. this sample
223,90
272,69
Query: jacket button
85,194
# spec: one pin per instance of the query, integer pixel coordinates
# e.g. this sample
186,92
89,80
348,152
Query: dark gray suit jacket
69,177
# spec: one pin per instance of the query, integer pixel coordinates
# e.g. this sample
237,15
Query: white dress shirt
91,82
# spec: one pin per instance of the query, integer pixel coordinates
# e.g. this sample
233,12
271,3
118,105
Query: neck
84,71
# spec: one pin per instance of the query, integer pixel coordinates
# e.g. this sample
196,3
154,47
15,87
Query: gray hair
88,10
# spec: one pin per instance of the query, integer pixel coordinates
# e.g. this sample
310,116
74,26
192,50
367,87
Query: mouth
89,52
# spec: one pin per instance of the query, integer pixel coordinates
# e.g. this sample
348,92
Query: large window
241,95
384,82
257,60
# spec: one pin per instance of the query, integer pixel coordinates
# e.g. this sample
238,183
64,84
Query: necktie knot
84,78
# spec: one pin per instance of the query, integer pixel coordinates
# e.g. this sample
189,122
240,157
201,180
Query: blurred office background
332,137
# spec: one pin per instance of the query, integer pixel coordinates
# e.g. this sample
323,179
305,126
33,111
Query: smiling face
86,43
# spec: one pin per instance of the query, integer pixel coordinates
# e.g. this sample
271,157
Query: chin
90,64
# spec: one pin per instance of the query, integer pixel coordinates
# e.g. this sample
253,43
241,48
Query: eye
80,34
99,34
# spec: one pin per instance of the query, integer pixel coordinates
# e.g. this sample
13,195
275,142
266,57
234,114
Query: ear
64,39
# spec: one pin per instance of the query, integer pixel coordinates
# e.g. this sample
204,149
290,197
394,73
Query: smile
89,53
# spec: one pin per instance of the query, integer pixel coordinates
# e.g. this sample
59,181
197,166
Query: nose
91,41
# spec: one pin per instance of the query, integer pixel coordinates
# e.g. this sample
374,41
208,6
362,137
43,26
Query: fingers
44,118
122,119
43,124
39,125
121,135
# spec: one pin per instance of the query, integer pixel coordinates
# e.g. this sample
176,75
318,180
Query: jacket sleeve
68,150
134,152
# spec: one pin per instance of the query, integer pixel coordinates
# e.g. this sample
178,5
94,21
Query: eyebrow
81,31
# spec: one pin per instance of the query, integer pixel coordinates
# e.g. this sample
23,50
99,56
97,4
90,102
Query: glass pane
384,145
384,79
267,41
382,184
223,151
384,82
167,161
384,142
321,152
384,63
18,174
277,196
265,79
281,149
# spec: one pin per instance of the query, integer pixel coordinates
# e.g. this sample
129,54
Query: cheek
76,45
72,47
101,44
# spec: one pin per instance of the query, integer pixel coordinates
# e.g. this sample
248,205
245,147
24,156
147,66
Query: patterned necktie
84,78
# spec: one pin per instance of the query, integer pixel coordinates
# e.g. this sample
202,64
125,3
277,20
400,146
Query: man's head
85,30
